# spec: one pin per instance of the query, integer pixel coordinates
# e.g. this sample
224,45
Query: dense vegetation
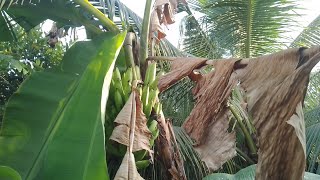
117,107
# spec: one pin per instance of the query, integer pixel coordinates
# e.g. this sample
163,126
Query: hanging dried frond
163,14
168,152
123,122
275,86
131,130
181,67
208,122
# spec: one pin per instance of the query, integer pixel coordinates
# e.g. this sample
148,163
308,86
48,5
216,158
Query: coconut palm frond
5,4
194,167
309,36
312,100
177,101
312,116
196,41
313,148
247,28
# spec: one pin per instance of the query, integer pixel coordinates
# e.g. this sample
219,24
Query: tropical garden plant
97,115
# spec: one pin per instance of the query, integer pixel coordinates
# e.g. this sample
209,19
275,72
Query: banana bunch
121,85
120,90
150,91
150,101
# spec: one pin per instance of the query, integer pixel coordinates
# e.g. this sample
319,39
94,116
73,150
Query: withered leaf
207,123
155,27
275,86
168,152
128,169
121,132
181,67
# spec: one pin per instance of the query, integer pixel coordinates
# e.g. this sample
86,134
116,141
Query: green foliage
18,59
248,173
312,98
7,173
196,41
313,148
53,124
245,28
310,36
177,101
194,167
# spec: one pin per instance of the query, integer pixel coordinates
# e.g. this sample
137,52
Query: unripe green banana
157,107
153,95
153,127
127,83
116,78
154,84
118,100
116,74
154,137
145,96
142,164
137,68
150,73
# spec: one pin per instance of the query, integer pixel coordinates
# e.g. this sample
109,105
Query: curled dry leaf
207,123
275,86
121,132
168,152
181,67
155,27
163,13
128,169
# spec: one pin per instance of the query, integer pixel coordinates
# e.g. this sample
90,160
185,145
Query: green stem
128,44
144,36
249,140
245,156
249,28
98,14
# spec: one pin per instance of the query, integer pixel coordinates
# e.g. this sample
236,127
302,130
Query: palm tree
244,28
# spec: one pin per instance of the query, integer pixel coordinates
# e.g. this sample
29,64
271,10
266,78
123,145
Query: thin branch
98,14
144,36
245,156
246,133
165,58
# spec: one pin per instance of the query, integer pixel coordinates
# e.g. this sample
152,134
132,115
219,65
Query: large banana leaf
248,173
52,126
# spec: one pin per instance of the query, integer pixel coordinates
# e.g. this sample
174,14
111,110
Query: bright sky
308,14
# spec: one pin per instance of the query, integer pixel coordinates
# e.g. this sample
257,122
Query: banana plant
59,113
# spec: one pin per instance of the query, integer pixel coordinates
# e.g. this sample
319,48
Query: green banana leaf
248,173
53,124
29,15
7,173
